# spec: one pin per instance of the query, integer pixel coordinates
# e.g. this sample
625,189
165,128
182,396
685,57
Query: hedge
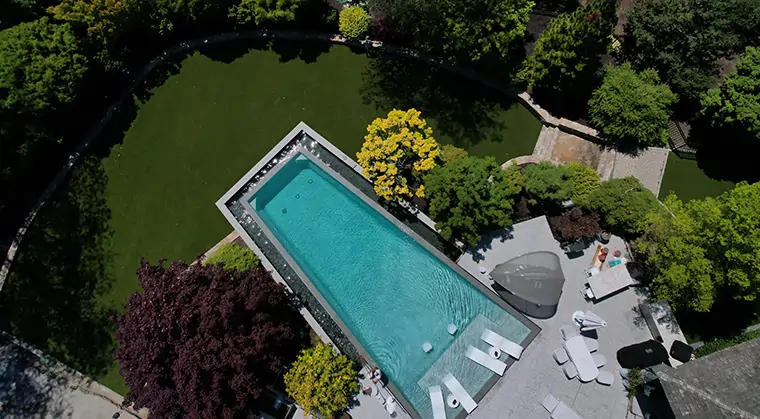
719,344
233,257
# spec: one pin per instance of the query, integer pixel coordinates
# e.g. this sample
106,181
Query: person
376,375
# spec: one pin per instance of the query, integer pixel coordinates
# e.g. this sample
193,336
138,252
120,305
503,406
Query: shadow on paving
24,391
50,297
463,110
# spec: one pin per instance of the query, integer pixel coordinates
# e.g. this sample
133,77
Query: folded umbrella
590,321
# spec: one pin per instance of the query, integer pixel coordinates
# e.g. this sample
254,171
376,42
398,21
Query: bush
574,224
320,381
548,183
585,180
449,153
233,257
720,344
354,22
624,204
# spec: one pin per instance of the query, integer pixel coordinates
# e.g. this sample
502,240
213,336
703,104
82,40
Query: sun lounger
436,399
485,360
500,342
460,393
560,355
550,403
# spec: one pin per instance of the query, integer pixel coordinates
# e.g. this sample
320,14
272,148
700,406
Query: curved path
545,117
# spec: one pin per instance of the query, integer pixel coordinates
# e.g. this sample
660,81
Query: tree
320,381
632,107
471,30
449,153
41,67
584,179
397,152
623,204
233,257
262,12
547,183
736,102
469,197
205,342
354,22
574,224
676,261
570,47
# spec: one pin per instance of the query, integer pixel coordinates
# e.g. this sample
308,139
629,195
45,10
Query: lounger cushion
567,332
560,355
599,359
605,377
592,344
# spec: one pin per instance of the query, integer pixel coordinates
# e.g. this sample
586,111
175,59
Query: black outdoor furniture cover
642,355
681,351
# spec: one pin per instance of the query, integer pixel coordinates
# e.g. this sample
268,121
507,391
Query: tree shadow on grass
463,110
50,298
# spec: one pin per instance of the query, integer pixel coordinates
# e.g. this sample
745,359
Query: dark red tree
574,224
204,342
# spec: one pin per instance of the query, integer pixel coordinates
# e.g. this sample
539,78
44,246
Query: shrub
585,180
635,382
574,224
449,153
720,344
320,381
354,22
624,204
548,183
233,257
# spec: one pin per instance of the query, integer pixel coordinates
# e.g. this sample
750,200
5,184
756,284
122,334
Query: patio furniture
570,370
567,332
681,351
500,342
610,281
485,360
563,411
588,321
550,403
591,271
560,355
599,359
390,405
452,401
436,399
591,344
642,355
579,354
459,392
605,378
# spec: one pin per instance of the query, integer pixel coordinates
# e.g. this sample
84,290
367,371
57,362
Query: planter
605,237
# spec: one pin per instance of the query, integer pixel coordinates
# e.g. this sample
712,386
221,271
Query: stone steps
545,143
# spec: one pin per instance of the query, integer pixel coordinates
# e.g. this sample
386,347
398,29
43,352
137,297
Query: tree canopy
205,342
263,12
321,382
470,196
41,67
574,224
706,249
585,180
624,204
570,47
736,102
354,22
548,183
632,107
397,152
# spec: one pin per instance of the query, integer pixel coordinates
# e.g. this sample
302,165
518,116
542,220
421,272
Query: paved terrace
520,392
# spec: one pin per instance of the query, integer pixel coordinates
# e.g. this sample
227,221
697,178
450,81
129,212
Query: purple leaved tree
204,342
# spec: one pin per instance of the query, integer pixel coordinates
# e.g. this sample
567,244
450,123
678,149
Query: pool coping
302,128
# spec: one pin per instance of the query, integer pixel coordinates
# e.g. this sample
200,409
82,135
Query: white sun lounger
436,399
497,341
485,360
459,392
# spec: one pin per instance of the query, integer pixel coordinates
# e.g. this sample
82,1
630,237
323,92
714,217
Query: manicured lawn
152,194
688,181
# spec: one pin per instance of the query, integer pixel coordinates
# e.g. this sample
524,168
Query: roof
536,277
724,384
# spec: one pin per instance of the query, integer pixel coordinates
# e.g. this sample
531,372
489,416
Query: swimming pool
392,292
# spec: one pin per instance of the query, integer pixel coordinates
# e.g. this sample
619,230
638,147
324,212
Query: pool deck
520,392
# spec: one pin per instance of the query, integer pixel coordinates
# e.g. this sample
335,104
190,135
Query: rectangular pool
392,292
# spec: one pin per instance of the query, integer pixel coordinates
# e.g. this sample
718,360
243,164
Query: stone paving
648,166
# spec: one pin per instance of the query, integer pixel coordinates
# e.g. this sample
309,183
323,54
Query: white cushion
560,355
550,403
605,378
570,370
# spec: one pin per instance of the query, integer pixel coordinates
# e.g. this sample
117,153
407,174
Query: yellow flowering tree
397,152
320,381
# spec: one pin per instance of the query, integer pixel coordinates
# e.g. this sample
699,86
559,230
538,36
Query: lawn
688,181
148,190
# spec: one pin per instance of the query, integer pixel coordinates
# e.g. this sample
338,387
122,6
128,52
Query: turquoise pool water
389,290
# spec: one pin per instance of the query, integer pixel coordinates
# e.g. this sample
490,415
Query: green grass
152,194
688,181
